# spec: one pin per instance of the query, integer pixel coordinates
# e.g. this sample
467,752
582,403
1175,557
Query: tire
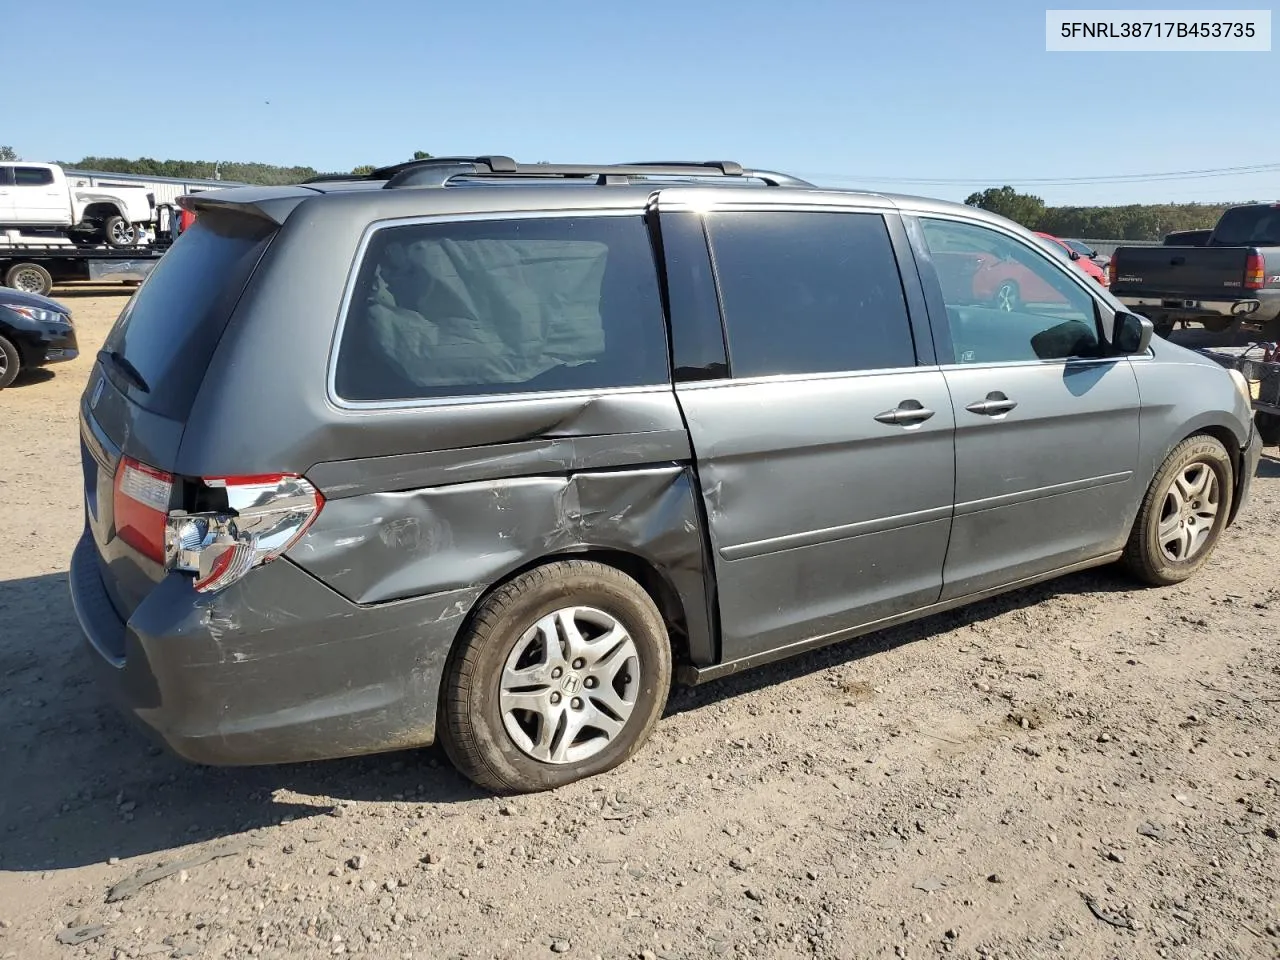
10,363
505,748
1268,428
119,232
1175,512
1008,297
1271,330
1219,324
29,278
1163,326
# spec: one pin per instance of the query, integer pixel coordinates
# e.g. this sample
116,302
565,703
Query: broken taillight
264,516
141,505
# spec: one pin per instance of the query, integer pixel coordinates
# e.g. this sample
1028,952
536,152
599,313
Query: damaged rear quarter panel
379,547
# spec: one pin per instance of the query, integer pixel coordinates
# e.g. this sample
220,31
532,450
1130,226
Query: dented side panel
383,547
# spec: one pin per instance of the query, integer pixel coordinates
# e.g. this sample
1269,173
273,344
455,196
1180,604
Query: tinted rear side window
170,328
503,306
32,176
1248,227
809,293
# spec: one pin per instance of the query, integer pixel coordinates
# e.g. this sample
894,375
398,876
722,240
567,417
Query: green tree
421,155
364,170
8,153
264,174
1022,208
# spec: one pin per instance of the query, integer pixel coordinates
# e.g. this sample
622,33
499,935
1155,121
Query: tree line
1136,221
261,174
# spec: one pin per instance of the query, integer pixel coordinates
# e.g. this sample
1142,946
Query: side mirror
1073,255
1132,333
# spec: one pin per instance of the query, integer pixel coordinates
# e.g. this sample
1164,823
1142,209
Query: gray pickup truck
1232,279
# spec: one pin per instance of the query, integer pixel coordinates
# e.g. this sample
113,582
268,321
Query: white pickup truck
40,198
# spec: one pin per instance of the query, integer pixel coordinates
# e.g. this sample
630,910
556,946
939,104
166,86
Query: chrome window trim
806,377
1003,364
338,402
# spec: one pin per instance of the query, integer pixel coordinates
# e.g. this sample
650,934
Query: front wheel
119,232
562,675
1183,513
10,363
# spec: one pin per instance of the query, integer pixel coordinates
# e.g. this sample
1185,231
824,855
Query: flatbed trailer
35,267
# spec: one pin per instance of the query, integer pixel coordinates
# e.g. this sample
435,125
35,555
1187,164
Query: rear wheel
10,363
562,675
1183,514
1219,324
29,278
119,232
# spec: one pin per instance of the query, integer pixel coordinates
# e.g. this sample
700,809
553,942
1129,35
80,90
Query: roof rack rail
334,177
438,171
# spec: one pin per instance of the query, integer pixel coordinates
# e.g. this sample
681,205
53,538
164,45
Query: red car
1084,263
984,278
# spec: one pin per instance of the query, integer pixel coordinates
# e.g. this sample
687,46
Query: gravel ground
1082,769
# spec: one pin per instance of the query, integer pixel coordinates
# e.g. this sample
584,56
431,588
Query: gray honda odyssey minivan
486,452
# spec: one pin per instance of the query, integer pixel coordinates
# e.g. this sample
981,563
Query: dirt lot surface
1083,769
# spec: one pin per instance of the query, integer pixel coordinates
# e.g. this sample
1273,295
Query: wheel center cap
571,683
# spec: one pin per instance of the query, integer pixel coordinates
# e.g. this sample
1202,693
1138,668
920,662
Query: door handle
906,413
995,404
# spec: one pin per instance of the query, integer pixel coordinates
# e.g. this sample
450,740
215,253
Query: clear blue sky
840,91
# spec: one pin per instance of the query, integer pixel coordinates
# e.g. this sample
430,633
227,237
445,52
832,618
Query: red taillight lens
1111,270
1255,269
265,516
141,503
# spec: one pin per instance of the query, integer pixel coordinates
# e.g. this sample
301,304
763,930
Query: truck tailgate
1193,272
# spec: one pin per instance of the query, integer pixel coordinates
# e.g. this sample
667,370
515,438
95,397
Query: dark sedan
34,331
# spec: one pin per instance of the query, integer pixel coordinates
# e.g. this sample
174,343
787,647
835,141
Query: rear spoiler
273,204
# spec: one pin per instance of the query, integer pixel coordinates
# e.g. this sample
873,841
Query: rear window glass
1248,227
170,328
503,306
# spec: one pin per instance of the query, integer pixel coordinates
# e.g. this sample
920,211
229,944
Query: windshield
169,330
1248,227
1081,248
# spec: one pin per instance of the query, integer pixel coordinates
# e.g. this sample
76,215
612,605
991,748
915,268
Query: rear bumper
1268,305
276,669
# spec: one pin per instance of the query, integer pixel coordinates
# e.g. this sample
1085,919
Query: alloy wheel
122,233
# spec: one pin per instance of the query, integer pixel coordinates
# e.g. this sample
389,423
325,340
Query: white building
166,189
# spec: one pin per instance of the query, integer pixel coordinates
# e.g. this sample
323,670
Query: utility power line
1203,174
